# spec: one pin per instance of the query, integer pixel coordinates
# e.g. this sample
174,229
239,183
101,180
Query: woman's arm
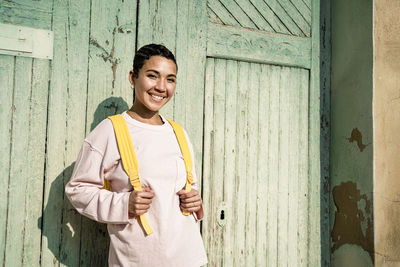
85,192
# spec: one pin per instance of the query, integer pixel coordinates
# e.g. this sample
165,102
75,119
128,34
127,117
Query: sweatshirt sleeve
85,192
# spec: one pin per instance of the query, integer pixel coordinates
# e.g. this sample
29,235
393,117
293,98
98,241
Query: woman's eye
151,76
171,80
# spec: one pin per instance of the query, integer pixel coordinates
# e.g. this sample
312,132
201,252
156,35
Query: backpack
130,162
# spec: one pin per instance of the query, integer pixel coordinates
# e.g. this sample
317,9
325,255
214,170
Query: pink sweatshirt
176,241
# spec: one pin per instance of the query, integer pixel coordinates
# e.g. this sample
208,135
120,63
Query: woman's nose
161,85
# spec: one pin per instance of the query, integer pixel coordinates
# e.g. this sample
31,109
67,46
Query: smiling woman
146,217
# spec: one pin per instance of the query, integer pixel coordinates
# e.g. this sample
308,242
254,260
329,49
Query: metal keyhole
221,215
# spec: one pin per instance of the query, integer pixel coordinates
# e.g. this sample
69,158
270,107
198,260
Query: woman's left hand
191,202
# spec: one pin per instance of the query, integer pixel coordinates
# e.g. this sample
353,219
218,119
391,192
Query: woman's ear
131,77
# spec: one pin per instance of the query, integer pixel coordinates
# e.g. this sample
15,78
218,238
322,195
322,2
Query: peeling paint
357,136
352,225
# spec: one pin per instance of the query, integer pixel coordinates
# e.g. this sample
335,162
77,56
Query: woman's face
155,83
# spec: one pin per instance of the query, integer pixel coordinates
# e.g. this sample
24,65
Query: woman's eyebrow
158,73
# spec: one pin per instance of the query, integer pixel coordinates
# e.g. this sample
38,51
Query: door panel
255,164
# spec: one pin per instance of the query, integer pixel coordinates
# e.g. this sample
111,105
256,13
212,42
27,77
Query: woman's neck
149,117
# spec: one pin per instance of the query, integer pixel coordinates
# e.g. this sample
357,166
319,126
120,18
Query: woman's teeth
158,98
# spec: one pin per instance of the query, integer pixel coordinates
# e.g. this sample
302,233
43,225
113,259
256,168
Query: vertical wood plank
303,183
36,150
241,159
263,167
56,136
252,166
229,162
19,160
218,157
273,174
207,157
77,45
195,59
293,176
6,113
182,38
283,205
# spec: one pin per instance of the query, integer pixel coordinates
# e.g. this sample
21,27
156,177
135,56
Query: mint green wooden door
261,130
248,89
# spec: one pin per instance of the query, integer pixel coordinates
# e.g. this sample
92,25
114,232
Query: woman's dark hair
147,51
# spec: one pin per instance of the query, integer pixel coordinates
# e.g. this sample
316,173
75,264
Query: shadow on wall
73,239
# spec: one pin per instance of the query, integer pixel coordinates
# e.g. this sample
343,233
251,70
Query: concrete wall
351,158
386,132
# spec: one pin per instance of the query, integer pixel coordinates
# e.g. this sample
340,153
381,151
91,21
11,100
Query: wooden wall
248,95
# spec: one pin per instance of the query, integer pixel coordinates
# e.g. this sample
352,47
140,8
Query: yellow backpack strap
187,158
129,160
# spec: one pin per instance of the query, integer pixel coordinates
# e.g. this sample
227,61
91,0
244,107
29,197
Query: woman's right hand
139,202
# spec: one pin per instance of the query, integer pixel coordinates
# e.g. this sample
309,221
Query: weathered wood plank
195,75
182,93
284,17
36,150
19,160
270,16
230,212
293,176
283,205
222,13
239,15
56,136
77,49
302,231
252,153
241,166
255,16
240,44
209,216
218,160
273,174
263,166
36,14
7,73
314,147
296,17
